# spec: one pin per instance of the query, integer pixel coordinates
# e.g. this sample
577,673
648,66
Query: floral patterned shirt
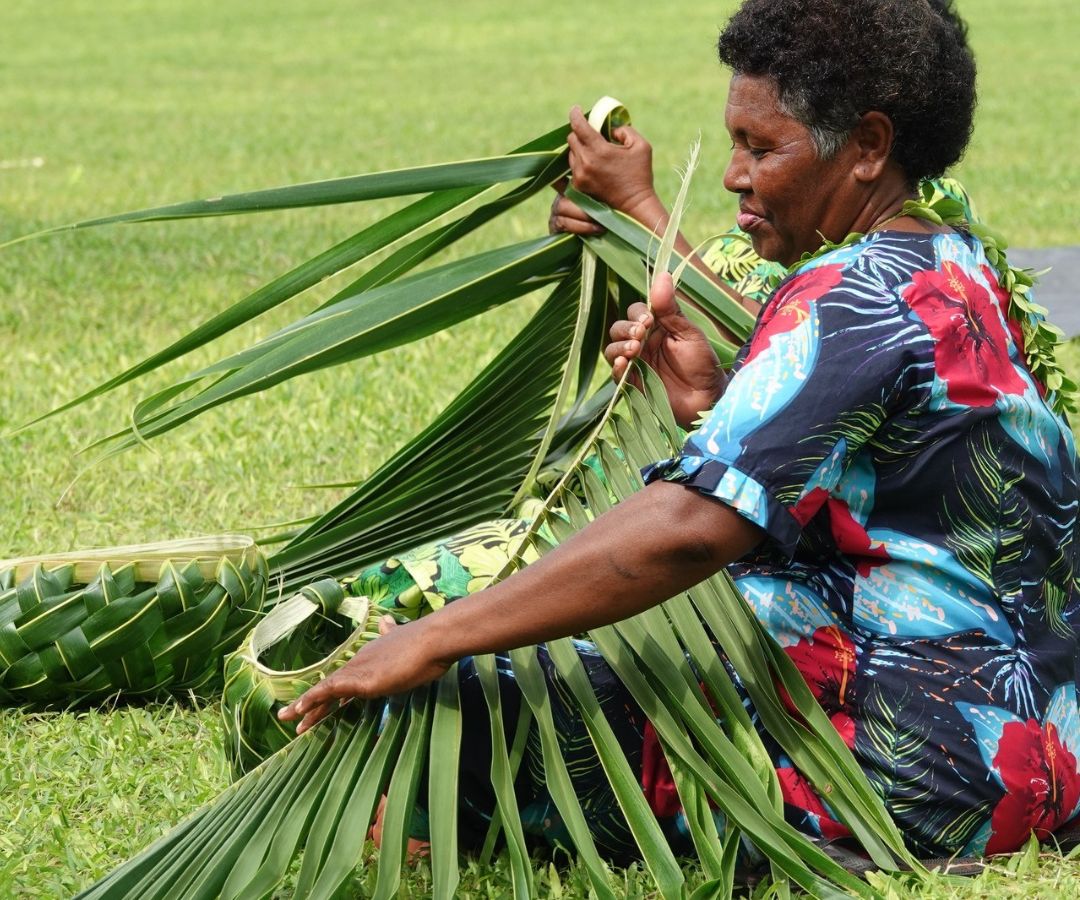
920,502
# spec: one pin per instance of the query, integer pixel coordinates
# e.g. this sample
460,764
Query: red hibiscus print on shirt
971,346
827,662
791,307
1041,781
851,538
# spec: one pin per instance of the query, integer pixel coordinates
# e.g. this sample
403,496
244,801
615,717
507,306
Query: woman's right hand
617,172
671,345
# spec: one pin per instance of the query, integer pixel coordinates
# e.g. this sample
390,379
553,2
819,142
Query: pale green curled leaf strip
671,231
444,758
502,781
400,803
530,679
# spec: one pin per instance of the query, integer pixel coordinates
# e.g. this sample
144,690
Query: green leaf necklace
1040,337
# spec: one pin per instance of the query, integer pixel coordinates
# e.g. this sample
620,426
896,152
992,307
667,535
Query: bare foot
414,850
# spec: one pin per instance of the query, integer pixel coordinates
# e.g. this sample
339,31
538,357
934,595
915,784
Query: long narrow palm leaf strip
412,220
502,782
518,749
332,191
530,678
397,816
444,755
585,308
390,315
655,849
709,846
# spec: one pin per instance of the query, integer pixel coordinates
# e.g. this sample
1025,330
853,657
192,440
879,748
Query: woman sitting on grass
880,472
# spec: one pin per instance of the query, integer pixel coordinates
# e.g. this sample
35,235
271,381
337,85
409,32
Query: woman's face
787,195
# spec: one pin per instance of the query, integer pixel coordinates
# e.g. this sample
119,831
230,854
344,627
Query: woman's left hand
400,659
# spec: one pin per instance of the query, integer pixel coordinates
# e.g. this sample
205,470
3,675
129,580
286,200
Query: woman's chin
769,249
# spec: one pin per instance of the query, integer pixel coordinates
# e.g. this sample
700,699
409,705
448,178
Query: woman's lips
748,221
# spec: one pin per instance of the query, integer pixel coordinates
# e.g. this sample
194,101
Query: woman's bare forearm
659,542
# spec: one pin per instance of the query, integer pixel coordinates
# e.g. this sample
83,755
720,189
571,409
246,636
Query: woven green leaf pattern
68,639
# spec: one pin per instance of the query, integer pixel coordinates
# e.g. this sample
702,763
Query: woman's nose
737,175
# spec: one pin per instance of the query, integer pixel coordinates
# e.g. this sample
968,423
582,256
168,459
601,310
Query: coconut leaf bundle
147,620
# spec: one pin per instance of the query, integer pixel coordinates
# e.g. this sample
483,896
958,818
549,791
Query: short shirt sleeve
823,369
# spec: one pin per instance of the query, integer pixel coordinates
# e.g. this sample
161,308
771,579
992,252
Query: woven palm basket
299,642
141,620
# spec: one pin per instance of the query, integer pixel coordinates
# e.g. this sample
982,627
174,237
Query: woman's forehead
753,104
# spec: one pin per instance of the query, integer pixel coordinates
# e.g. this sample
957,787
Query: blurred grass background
118,104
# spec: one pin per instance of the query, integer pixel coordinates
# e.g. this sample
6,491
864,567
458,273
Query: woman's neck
883,209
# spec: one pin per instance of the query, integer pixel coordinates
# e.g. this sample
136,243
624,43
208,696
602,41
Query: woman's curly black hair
834,60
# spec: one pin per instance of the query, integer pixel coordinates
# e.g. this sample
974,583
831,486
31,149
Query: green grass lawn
127,103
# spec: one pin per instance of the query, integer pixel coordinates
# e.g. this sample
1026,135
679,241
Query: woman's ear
872,139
